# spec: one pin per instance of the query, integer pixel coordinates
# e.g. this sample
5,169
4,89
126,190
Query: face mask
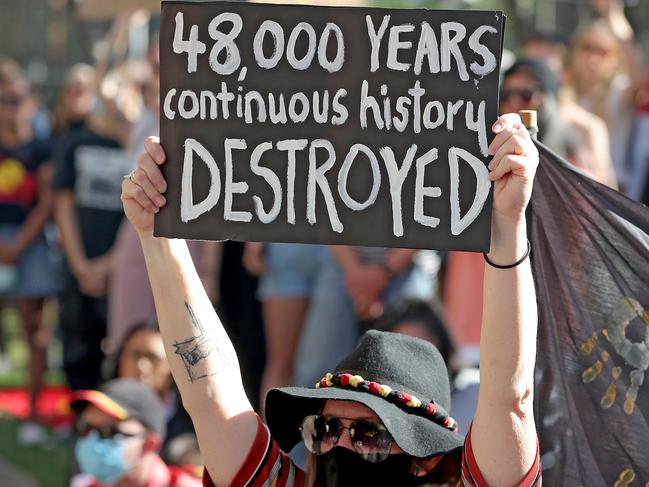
104,459
344,468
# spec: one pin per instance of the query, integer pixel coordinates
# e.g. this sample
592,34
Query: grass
47,464
17,351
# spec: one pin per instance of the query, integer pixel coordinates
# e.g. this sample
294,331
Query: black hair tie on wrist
509,266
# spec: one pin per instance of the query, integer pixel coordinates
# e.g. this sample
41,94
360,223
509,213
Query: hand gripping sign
333,125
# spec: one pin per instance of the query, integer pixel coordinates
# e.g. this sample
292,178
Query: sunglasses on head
525,94
105,431
370,440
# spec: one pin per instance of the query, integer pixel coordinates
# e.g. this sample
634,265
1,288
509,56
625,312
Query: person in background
27,265
120,429
76,99
548,47
605,75
88,212
419,319
141,356
355,286
242,316
639,150
130,300
35,112
288,275
529,84
594,151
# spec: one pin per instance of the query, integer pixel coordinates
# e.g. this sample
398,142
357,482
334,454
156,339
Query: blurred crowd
291,310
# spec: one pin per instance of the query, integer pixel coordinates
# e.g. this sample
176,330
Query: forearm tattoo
195,351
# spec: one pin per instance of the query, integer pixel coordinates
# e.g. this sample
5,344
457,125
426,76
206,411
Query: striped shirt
267,466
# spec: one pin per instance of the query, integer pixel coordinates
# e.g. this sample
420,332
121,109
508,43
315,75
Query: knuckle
139,176
520,144
509,160
510,119
161,183
141,160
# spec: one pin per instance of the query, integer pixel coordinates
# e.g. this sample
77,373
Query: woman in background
141,357
27,265
605,76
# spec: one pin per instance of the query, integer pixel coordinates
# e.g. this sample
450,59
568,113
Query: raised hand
513,167
142,189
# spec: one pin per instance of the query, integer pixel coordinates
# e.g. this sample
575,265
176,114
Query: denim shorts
291,270
37,270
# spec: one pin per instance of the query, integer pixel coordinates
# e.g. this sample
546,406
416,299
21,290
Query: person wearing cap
120,429
529,84
382,416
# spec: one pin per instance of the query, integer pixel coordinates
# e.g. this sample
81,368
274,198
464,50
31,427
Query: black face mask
344,468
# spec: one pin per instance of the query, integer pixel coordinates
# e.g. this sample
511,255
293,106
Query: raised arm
503,434
203,361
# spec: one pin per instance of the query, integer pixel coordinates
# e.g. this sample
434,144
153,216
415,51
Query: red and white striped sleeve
265,465
472,477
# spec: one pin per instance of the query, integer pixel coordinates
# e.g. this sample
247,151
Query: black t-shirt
19,179
92,167
60,140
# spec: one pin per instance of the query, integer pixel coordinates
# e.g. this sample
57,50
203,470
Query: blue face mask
104,459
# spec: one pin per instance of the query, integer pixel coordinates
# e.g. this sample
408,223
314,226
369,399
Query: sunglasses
107,431
525,94
370,440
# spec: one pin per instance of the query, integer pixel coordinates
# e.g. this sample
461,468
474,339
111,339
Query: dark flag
591,263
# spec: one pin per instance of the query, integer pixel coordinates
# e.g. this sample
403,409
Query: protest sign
333,125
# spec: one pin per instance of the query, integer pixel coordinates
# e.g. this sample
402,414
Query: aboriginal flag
591,264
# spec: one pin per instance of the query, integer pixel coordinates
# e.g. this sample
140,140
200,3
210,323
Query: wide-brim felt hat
402,379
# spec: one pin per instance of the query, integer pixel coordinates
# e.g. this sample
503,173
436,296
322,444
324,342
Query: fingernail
490,166
160,201
497,127
491,152
153,209
492,176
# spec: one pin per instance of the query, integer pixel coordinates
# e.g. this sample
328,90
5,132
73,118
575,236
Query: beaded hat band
404,400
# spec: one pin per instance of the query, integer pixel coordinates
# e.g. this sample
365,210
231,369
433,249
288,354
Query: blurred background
47,36
75,308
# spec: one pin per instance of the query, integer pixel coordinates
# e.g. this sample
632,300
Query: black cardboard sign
335,125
